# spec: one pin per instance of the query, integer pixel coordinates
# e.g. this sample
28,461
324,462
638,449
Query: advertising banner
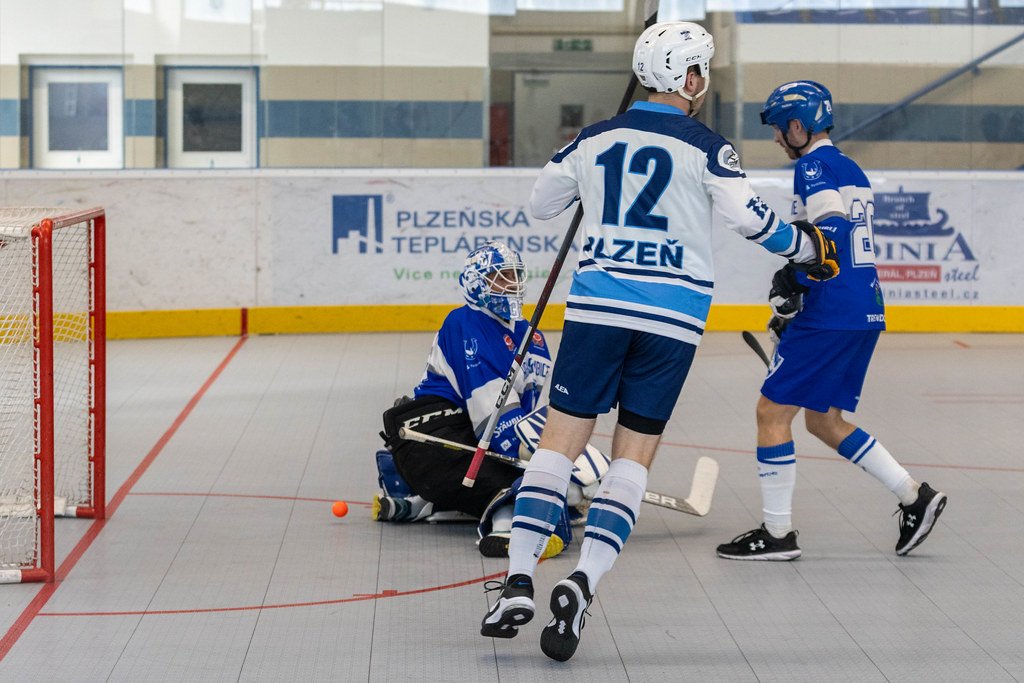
401,239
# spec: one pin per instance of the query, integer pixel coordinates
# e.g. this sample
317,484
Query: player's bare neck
673,99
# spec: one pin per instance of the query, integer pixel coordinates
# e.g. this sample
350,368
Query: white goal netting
23,282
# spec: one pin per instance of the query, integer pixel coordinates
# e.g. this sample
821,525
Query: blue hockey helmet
808,102
494,278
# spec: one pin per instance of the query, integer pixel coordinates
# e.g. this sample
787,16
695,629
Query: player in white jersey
837,323
649,181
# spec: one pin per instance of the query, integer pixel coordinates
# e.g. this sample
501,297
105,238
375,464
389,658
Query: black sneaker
918,518
569,602
513,608
761,545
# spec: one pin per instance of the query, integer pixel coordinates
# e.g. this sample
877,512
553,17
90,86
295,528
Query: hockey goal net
52,370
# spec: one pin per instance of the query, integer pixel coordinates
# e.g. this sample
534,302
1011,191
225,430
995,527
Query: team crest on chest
471,347
508,342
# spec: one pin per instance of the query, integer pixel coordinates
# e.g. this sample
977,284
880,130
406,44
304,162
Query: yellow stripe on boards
203,322
428,318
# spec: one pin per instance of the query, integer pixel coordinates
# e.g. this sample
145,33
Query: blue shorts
820,369
600,366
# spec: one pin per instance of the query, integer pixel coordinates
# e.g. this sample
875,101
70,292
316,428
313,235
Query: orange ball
340,508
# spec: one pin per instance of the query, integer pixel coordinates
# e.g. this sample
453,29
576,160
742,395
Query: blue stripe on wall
310,119
10,117
916,123
372,119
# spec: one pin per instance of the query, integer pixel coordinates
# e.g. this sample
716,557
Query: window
77,118
211,118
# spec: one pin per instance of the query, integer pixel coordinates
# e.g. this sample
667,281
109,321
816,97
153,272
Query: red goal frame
43,375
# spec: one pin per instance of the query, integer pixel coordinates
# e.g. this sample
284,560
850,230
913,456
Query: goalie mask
494,278
808,102
665,51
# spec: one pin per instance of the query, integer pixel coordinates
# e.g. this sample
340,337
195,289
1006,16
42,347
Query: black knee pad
639,423
573,413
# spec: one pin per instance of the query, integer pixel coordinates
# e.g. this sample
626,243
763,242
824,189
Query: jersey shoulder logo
728,158
811,170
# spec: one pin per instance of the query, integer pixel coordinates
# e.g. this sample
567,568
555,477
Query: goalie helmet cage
52,380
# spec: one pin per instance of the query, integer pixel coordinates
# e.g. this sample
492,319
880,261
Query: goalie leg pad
391,482
560,538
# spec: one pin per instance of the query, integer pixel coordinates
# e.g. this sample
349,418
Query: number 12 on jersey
653,162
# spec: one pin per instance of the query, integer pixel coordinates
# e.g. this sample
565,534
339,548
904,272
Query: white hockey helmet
665,51
494,278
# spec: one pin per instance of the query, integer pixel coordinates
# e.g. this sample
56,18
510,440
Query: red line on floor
971,394
962,345
313,603
249,495
1017,401
48,589
836,458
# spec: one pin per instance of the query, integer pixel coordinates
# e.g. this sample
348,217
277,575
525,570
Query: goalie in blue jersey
466,368
826,333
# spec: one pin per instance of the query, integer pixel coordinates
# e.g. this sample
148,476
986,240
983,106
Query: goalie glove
825,265
786,296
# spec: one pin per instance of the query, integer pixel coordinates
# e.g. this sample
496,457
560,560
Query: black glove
786,295
826,263
776,326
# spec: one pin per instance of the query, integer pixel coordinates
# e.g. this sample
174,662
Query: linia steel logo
358,216
912,245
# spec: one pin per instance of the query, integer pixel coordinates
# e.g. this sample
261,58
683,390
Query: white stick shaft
702,490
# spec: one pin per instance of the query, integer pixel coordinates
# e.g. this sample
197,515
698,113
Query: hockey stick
702,490
413,435
756,346
651,12
698,503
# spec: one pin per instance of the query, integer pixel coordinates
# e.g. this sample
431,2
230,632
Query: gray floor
222,560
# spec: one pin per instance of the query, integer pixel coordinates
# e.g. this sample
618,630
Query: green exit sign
574,45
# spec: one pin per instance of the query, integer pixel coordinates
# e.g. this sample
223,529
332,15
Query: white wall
143,31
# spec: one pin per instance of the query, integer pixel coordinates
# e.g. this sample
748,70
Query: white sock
538,507
776,469
862,449
612,517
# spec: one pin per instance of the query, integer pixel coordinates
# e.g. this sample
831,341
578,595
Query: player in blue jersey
826,333
649,181
466,368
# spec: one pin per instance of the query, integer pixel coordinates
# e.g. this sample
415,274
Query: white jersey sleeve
555,190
